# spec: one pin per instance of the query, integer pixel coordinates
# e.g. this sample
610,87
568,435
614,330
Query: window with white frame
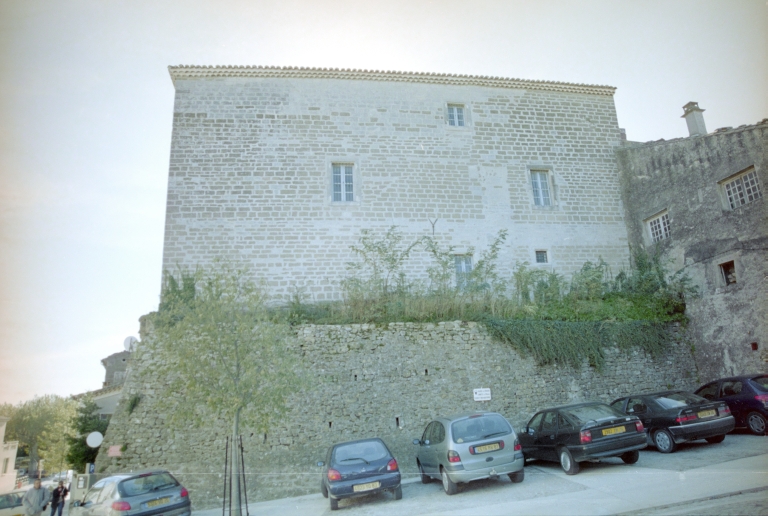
658,226
742,188
343,187
541,189
541,257
456,115
463,263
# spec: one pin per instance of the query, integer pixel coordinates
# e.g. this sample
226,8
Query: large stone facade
252,170
368,380
720,242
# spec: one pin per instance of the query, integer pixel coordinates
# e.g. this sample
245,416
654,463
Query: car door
427,456
546,439
640,406
528,438
710,391
731,392
91,498
104,502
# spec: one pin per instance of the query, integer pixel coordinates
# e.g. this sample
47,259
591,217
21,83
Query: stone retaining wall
369,380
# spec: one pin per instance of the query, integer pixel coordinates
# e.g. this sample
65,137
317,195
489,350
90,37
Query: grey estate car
469,447
135,494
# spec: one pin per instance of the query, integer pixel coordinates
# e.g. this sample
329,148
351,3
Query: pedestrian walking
36,499
57,498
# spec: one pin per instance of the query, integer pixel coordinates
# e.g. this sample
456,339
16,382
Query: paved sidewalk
547,490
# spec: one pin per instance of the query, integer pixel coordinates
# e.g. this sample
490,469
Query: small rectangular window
463,263
658,226
728,271
5,466
343,188
540,184
456,115
742,188
541,257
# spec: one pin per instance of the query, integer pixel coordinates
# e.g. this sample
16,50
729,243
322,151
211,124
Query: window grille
343,190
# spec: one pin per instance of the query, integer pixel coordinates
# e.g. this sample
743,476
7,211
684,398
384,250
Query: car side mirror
320,464
530,431
417,442
77,503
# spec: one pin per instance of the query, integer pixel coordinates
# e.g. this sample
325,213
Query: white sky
86,108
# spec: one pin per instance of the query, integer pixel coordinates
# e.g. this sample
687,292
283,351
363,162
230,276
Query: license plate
159,501
487,448
707,413
614,430
366,487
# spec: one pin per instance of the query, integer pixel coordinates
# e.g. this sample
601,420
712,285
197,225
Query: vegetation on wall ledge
538,312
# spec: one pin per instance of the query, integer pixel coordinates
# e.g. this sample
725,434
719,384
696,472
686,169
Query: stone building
700,200
282,168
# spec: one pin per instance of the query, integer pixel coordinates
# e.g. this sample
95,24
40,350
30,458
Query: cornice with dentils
184,72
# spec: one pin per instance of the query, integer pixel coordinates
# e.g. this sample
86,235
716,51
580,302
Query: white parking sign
482,394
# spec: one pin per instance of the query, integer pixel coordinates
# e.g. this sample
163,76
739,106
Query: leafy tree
40,425
85,421
223,323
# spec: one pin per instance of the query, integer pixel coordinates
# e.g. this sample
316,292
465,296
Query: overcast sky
86,107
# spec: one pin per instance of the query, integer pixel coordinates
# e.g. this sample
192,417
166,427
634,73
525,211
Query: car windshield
10,500
366,451
146,484
678,399
476,428
585,413
761,382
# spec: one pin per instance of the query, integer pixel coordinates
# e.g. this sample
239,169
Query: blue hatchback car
747,397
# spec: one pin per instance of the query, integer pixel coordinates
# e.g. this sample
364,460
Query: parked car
674,417
135,494
10,504
359,468
580,432
747,397
469,447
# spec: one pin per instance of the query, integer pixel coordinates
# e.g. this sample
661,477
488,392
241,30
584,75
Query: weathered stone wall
684,177
250,171
367,380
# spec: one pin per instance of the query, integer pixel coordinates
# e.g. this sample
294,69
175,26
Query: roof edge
294,72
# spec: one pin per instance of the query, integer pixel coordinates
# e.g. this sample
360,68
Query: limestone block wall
728,322
366,380
252,151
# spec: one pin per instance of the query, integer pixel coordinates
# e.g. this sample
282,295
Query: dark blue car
747,397
359,468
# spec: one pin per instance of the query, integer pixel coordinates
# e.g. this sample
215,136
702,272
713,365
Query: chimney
694,118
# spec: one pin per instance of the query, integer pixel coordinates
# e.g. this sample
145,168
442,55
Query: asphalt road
730,478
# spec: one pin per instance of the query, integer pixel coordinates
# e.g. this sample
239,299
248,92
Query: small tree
224,351
85,421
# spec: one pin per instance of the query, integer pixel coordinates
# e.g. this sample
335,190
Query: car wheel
334,504
716,439
323,489
630,457
664,442
756,423
449,486
570,466
517,477
425,479
398,492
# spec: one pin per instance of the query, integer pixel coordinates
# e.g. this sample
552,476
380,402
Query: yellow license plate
159,501
487,448
614,430
366,487
707,413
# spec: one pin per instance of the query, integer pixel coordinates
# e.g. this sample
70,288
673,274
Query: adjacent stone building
701,202
281,168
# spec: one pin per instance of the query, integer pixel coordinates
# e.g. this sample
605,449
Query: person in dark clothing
57,498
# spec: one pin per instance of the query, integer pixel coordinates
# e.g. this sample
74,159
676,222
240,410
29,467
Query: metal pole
226,456
242,463
230,480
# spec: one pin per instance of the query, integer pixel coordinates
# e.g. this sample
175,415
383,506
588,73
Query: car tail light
688,417
518,446
763,398
639,425
333,475
725,411
121,506
184,492
453,456
392,465
585,436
